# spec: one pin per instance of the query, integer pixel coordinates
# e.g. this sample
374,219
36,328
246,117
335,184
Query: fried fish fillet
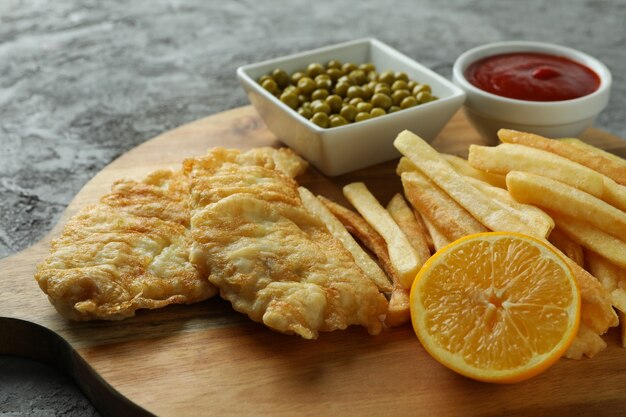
130,251
270,258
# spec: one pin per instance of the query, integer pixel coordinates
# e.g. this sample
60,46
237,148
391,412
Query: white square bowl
339,150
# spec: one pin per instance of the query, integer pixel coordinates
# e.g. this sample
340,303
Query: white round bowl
555,119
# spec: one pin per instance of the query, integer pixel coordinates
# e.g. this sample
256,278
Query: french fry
370,238
614,194
486,211
577,143
566,245
612,167
508,157
614,280
399,310
448,217
439,240
612,277
587,343
412,224
463,167
337,229
596,315
535,218
596,306
405,218
558,197
592,238
405,165
403,257
422,225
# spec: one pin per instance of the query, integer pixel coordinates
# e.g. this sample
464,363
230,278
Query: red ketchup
533,76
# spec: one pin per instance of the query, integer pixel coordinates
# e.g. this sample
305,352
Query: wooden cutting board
208,359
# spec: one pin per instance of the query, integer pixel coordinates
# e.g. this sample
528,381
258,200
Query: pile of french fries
565,192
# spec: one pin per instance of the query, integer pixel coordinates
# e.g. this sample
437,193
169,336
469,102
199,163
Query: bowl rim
242,73
502,47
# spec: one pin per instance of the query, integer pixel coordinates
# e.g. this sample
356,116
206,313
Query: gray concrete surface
81,82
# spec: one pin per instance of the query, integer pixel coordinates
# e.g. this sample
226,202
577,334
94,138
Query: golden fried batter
270,258
128,252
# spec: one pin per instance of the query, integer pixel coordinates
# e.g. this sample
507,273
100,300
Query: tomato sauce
533,76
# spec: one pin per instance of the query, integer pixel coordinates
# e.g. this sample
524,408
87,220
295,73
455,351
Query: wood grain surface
207,359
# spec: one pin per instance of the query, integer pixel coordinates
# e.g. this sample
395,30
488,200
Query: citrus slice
496,307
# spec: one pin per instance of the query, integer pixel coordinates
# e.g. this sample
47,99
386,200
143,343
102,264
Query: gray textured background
81,82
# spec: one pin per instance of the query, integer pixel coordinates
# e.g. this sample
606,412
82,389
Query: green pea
270,85
372,75
341,89
323,81
387,77
419,88
333,63
290,99
335,102
345,79
291,89
295,77
402,76
409,101
362,116
263,78
306,85
378,111
305,112
423,97
399,85
336,120
355,100
364,107
399,95
319,94
358,77
411,84
368,92
348,67
367,67
320,106
320,119
315,69
348,112
381,100
382,88
393,109
355,91
334,73
281,77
